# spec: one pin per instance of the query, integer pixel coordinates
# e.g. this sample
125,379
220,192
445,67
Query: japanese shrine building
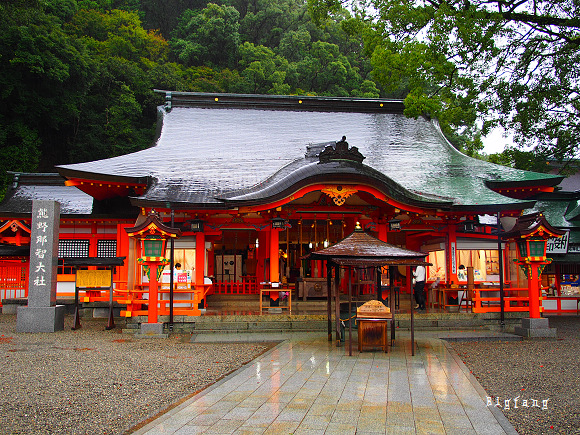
254,183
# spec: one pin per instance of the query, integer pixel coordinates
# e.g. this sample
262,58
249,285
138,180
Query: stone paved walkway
306,385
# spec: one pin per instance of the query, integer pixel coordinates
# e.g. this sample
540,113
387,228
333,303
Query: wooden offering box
372,319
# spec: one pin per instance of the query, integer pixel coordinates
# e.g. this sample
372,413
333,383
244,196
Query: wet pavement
307,385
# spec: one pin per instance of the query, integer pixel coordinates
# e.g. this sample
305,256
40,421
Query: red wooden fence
13,281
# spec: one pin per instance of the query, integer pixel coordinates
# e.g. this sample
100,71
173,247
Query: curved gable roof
28,187
212,149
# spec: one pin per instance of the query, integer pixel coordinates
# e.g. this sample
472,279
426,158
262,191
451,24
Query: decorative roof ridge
347,171
281,102
340,151
36,178
313,150
558,195
30,179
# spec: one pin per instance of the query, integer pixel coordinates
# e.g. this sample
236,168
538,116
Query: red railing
246,286
515,299
13,281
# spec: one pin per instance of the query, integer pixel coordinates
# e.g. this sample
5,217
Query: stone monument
42,314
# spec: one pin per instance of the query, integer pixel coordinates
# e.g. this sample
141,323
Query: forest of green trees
77,77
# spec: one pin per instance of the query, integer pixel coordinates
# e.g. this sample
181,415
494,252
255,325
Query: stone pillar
42,314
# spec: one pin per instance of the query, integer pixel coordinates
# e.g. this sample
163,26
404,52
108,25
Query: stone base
10,306
103,313
40,319
274,310
535,328
151,330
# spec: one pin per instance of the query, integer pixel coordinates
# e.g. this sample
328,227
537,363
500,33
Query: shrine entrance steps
240,314
285,323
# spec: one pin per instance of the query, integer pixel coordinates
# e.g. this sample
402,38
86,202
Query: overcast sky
495,142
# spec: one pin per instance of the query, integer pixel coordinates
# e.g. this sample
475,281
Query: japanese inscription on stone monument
43,253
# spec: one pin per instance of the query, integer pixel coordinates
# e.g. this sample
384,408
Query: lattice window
106,248
537,248
73,248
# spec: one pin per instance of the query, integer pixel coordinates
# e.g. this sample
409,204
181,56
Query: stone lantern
531,233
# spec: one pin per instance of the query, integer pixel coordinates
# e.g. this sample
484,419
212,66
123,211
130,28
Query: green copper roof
573,210
556,213
215,147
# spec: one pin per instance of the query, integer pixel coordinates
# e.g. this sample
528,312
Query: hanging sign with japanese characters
558,245
43,253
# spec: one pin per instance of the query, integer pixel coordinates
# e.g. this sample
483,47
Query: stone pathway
306,385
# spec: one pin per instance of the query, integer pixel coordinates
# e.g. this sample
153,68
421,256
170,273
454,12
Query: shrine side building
254,183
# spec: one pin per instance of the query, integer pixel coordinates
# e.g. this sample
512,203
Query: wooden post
412,294
274,249
77,321
391,301
200,268
382,227
111,319
534,291
287,271
337,302
349,308
329,297
378,286
470,286
452,254
301,249
153,294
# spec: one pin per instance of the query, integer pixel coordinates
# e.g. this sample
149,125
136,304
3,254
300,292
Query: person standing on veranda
419,275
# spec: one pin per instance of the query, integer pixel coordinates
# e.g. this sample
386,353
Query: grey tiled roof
206,155
29,187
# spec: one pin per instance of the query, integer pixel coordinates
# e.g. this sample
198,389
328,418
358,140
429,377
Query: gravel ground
538,369
93,381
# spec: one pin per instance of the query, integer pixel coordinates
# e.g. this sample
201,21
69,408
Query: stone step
229,323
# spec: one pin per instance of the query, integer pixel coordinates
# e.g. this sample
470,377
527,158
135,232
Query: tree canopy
77,77
512,64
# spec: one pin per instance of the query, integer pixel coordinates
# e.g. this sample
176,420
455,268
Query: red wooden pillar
534,291
451,254
260,257
153,293
558,279
382,230
318,268
199,289
124,251
93,241
274,249
199,258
